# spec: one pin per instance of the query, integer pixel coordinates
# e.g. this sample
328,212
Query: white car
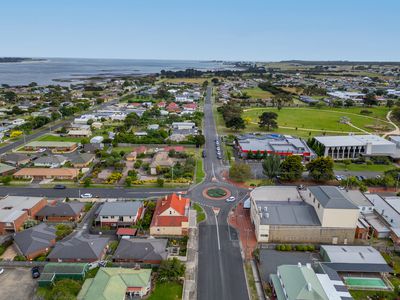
87,195
1,271
230,199
338,177
41,150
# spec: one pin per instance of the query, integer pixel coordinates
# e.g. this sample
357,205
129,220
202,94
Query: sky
251,30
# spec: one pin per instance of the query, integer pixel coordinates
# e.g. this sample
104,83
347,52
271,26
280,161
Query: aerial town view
213,150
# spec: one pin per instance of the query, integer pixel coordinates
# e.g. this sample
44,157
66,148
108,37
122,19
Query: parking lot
17,283
271,259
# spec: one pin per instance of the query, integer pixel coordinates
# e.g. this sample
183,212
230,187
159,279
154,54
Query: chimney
308,265
309,287
299,264
180,197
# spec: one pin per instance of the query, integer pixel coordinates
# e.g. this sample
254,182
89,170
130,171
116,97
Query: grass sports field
306,121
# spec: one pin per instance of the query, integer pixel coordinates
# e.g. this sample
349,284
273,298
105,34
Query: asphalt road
220,266
46,129
116,193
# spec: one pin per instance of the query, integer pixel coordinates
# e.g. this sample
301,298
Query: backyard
167,291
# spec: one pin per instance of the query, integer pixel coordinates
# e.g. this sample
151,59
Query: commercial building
15,210
171,216
353,146
319,214
116,283
47,173
282,145
119,214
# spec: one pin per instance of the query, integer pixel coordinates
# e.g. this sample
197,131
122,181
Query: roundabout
216,193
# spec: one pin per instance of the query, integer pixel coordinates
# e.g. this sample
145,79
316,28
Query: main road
220,265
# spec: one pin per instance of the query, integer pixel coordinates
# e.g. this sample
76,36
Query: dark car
60,187
35,272
203,154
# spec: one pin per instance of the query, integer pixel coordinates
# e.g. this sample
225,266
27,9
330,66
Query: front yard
167,291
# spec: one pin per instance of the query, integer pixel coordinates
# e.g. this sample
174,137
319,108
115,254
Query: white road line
212,167
216,224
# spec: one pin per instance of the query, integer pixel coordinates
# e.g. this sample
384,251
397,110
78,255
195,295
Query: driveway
17,283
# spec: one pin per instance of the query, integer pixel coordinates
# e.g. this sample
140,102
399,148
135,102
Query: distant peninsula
18,59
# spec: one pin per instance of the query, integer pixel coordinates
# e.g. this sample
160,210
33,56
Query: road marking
212,167
216,224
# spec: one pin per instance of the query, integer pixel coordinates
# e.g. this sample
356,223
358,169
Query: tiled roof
173,201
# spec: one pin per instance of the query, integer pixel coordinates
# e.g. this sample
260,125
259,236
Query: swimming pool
365,282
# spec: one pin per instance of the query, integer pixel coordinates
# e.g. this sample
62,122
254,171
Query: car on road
218,148
86,195
41,150
378,176
59,187
203,154
35,272
230,199
219,156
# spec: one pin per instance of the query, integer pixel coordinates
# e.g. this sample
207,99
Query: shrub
19,258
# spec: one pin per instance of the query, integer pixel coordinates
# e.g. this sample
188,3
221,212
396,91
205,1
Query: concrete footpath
190,283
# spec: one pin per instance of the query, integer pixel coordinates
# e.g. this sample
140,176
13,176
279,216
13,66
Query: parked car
59,187
203,154
41,150
338,177
87,195
230,199
35,272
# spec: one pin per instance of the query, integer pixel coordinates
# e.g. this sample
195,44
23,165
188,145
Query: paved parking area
271,259
17,283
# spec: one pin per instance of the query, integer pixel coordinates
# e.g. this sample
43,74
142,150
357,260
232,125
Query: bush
62,230
20,258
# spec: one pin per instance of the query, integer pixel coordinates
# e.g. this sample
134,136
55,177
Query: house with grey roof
6,169
82,160
15,159
52,161
318,214
79,248
147,251
35,241
61,212
119,213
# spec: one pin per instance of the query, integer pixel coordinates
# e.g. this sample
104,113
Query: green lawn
362,167
201,216
257,93
167,291
54,138
199,170
312,121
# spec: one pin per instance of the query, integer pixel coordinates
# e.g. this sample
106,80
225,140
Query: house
52,161
15,210
79,248
84,119
160,160
119,214
47,173
6,169
302,282
173,108
146,251
183,125
131,156
317,214
15,159
357,260
79,133
58,271
61,212
82,160
97,139
92,148
153,127
174,148
282,145
171,216
353,146
54,146
116,283
141,150
35,241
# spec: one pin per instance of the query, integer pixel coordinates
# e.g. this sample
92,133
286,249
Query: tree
321,168
268,119
6,180
281,99
160,182
199,139
87,182
271,166
370,99
396,113
171,270
292,168
10,96
236,123
390,103
240,172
